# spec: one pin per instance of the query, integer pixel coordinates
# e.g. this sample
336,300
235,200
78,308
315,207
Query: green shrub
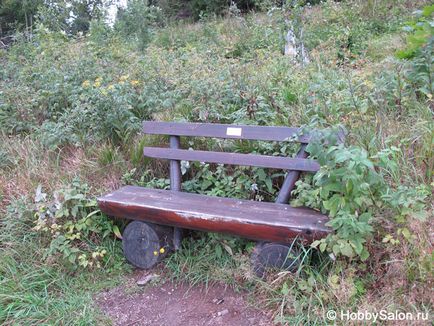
421,30
347,188
350,187
74,226
136,21
37,289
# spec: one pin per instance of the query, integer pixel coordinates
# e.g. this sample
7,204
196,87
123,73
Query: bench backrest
175,154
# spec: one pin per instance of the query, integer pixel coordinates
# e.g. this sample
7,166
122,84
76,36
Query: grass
227,70
35,290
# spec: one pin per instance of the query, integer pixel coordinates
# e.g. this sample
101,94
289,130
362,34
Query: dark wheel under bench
145,244
160,215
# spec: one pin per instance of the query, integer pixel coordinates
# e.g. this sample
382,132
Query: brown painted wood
216,130
175,166
175,185
265,161
290,180
249,219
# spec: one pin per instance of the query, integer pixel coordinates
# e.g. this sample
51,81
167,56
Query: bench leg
177,238
146,244
274,255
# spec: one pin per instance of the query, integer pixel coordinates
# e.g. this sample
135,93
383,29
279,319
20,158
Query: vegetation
70,113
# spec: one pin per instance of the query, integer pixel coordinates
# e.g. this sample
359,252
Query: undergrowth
36,288
71,109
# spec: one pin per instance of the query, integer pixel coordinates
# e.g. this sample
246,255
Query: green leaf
357,245
323,246
421,215
74,211
347,250
364,254
262,176
315,243
406,233
218,251
93,213
72,258
269,185
228,249
116,231
285,289
336,250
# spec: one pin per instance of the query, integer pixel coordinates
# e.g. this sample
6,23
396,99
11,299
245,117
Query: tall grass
73,108
35,290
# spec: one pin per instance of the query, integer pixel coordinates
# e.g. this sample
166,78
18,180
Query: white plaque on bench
234,131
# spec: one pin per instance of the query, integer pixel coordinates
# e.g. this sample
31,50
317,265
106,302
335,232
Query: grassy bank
70,112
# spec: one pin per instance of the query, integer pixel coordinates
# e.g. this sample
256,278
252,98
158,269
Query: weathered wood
275,255
278,162
175,185
290,180
216,130
175,166
145,244
249,219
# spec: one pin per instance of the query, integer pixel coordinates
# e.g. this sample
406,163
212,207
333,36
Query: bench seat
250,219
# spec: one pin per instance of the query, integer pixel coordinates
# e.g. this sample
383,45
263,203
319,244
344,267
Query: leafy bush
38,289
92,91
74,226
347,188
135,22
351,191
420,31
419,49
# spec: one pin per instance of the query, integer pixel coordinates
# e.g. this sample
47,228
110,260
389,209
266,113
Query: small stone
218,321
223,312
148,278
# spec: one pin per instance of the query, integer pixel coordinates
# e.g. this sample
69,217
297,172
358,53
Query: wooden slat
175,185
249,219
216,130
290,180
278,162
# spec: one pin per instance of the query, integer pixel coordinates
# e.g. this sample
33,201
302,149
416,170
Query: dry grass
34,165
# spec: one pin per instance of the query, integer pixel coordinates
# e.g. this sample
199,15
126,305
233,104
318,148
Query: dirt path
169,304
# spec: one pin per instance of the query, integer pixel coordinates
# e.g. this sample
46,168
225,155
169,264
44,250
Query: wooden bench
160,215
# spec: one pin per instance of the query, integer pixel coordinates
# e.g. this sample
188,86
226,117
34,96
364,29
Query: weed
34,290
72,108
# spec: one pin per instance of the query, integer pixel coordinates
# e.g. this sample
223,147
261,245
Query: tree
17,14
71,16
84,11
136,21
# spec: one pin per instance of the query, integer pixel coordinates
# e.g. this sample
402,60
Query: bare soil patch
166,303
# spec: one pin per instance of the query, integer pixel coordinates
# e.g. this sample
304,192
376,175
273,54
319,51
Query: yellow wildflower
124,78
97,82
155,253
134,82
369,84
110,87
162,250
86,84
